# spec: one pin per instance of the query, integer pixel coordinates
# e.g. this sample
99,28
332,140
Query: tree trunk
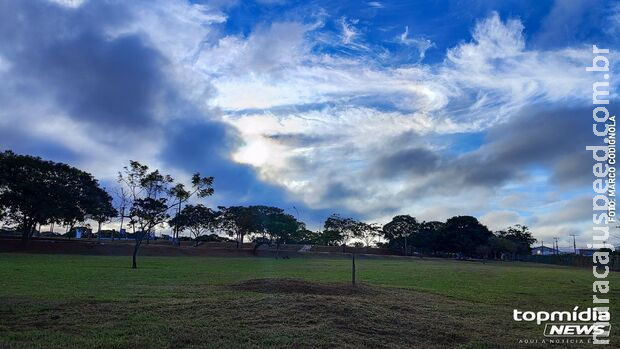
25,238
99,231
121,227
406,254
135,249
27,231
135,253
176,226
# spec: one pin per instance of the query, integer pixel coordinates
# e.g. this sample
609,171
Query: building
543,251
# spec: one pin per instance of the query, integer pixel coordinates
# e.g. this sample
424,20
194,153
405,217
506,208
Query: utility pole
555,244
574,243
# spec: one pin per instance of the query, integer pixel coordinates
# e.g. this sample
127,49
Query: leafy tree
463,234
304,235
36,191
198,219
181,195
428,237
521,236
239,221
399,230
328,238
282,227
102,209
152,197
343,229
500,246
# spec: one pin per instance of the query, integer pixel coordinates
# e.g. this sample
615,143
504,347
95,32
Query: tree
124,200
428,237
463,234
521,236
399,230
198,219
282,227
328,238
499,246
181,195
237,222
343,229
367,232
153,197
36,191
304,236
102,208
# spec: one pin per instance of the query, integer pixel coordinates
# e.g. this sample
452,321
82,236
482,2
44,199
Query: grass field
73,301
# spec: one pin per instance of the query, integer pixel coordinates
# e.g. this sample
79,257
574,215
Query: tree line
36,191
464,236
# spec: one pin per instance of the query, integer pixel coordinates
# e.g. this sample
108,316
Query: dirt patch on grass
281,313
273,286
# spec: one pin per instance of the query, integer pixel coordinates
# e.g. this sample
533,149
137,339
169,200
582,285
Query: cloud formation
324,108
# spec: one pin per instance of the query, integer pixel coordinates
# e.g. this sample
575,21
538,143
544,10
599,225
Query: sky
368,109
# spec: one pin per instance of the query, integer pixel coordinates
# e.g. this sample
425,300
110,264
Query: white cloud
289,89
422,45
499,220
68,3
349,33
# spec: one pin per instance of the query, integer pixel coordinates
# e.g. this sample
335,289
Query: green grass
73,301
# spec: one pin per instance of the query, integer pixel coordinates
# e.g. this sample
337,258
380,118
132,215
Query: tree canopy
36,191
198,219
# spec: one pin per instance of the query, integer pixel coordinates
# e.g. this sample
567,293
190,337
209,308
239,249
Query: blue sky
368,109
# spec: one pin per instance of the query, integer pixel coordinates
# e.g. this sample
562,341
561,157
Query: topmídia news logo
590,325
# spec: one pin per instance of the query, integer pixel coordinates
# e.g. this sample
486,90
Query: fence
573,260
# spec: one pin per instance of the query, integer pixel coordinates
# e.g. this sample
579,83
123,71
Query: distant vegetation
35,192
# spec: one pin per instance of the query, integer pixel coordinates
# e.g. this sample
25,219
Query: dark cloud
300,139
64,55
336,191
110,82
540,137
406,162
540,140
21,141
